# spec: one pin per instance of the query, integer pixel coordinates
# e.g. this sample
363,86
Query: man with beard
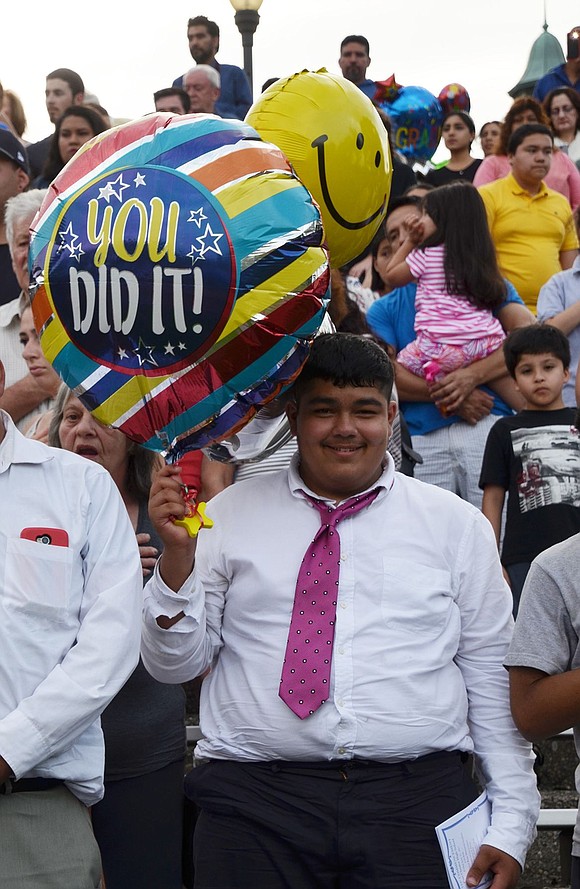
204,43
64,88
354,61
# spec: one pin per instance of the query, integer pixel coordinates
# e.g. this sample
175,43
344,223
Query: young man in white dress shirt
70,607
345,791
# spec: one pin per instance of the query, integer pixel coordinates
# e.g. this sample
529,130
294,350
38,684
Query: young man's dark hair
202,21
346,359
405,200
356,38
73,79
527,129
537,339
177,92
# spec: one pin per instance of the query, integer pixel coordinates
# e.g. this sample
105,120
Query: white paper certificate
460,838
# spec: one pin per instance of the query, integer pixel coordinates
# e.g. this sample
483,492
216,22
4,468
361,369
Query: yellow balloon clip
194,523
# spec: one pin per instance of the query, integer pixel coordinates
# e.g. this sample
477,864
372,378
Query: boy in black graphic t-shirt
534,455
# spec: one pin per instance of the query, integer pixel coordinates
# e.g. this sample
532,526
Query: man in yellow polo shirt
531,225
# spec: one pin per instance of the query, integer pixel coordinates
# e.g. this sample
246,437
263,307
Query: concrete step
557,763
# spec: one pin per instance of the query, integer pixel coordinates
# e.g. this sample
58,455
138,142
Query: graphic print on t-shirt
550,473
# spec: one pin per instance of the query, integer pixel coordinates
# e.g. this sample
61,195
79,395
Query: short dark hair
356,38
202,21
527,129
173,91
71,77
347,359
405,200
535,340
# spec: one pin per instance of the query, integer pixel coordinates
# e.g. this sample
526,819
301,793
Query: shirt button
341,650
343,605
340,702
341,750
343,557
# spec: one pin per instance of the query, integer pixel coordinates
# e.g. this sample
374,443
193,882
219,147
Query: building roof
545,54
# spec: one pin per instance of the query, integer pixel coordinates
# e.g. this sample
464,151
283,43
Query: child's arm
544,705
398,273
544,688
492,506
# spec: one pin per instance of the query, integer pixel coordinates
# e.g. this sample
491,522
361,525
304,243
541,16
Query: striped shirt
443,316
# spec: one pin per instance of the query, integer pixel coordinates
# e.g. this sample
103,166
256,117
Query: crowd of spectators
472,288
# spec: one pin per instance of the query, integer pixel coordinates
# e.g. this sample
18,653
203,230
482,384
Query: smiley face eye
360,141
377,159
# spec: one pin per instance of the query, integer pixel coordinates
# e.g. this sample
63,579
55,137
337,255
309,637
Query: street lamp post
247,19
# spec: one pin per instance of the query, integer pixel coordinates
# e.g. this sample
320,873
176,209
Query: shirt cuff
21,743
511,834
161,600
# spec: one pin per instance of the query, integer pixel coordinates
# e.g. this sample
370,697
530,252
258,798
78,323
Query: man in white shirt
70,603
338,773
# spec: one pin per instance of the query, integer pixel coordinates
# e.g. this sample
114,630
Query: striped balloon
179,276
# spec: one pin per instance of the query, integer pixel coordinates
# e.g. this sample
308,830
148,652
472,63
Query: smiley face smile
318,143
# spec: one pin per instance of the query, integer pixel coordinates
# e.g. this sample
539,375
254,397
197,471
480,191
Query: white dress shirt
423,624
10,347
69,614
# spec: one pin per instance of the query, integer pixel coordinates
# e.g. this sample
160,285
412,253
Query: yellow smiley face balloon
335,140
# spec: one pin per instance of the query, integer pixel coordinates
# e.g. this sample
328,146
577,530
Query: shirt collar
15,448
518,189
297,487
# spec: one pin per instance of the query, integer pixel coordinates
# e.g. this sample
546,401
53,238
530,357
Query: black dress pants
325,825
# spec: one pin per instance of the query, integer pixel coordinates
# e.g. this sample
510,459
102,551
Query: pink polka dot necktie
306,672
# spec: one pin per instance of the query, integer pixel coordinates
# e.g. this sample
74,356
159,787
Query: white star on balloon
122,353
145,359
197,216
139,180
68,239
76,252
193,255
169,349
209,235
105,192
121,187
181,346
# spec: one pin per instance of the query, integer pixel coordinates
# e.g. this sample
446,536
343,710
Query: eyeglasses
566,109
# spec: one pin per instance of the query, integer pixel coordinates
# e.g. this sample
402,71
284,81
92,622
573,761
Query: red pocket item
47,536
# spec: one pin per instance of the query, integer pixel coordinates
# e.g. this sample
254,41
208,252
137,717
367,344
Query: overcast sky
125,50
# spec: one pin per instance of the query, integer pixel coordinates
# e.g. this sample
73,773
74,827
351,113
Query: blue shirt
368,87
235,93
554,79
392,318
557,295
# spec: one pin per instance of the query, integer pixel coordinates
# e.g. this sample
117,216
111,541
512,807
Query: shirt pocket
38,578
416,598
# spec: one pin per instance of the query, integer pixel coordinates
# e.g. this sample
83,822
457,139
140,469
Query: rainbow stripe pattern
179,276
